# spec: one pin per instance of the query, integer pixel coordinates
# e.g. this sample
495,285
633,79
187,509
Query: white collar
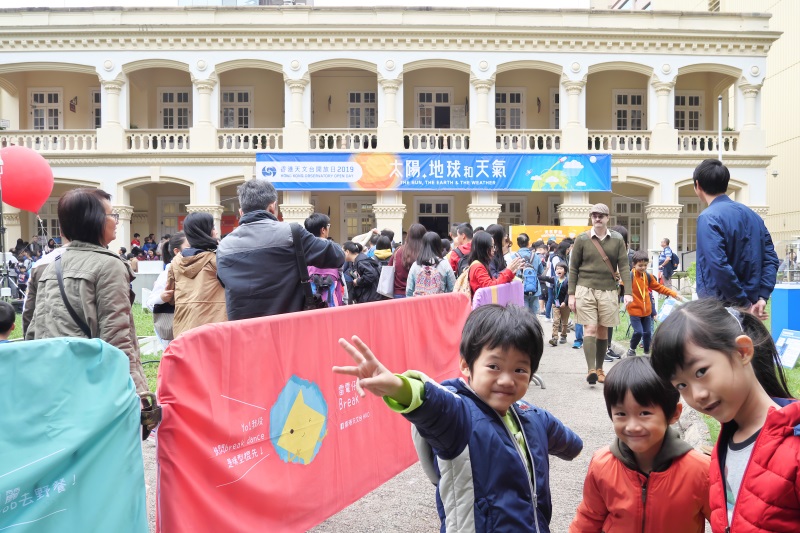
601,239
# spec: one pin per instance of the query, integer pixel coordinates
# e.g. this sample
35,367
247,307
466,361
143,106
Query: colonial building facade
166,108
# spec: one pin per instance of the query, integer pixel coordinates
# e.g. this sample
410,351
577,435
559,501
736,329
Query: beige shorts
596,307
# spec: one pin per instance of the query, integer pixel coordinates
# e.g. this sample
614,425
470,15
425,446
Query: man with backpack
529,273
667,263
462,246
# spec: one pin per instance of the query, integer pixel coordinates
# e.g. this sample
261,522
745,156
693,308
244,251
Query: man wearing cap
599,259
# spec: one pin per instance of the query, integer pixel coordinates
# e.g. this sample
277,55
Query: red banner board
259,435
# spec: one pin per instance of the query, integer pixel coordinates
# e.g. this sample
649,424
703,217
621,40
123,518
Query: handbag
163,319
310,300
386,281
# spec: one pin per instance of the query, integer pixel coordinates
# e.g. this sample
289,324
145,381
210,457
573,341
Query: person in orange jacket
641,309
649,479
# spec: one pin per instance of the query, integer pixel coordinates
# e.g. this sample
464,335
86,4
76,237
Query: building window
553,211
49,227
435,213
175,108
630,215
628,109
45,108
687,225
236,107
362,110
508,106
433,107
512,211
555,109
97,113
688,110
358,217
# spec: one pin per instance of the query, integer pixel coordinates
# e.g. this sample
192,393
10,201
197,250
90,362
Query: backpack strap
602,252
78,320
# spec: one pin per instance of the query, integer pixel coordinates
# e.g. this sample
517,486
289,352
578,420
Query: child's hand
371,374
680,298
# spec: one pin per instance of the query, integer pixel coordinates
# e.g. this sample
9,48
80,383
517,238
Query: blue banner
371,171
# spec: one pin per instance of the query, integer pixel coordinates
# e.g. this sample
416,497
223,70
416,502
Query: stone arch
653,186
529,65
217,185
639,68
9,87
437,63
248,63
74,182
727,70
342,63
48,66
143,64
124,187
739,187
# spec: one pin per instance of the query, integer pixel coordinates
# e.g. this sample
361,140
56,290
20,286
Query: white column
390,129
761,210
389,212
482,131
203,134
664,135
13,226
296,206
111,134
484,209
295,134
574,132
574,209
752,137
125,213
213,210
662,221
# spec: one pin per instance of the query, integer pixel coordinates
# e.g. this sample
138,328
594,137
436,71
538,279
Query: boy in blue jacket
490,449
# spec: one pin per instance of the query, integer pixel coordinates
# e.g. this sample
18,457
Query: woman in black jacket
365,273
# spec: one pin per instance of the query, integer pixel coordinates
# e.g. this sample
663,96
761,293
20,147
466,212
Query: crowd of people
714,352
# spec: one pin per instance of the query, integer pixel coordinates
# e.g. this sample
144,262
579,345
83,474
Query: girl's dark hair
81,214
482,246
383,243
636,374
498,233
706,323
352,247
198,227
167,249
561,249
490,326
413,244
431,252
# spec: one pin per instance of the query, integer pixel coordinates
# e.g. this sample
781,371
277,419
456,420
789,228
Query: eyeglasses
598,215
115,216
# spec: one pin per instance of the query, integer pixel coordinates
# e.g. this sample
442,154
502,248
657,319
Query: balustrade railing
333,139
707,141
435,140
236,140
619,141
157,140
51,140
529,140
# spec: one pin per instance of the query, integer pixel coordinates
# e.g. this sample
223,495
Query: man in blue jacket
736,261
257,264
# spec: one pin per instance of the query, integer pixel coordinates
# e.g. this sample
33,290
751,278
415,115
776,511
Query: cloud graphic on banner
581,184
298,421
572,168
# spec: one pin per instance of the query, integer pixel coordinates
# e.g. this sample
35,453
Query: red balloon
27,179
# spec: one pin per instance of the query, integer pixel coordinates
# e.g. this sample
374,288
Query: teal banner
70,444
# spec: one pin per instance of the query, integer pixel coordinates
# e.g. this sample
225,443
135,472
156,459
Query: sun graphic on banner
298,421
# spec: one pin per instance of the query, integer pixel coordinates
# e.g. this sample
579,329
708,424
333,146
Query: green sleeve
410,396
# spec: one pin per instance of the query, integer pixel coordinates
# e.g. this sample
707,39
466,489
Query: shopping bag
386,282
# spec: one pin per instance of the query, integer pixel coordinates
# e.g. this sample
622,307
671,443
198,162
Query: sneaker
563,340
577,345
592,377
613,355
631,352
608,359
553,342
601,376
647,353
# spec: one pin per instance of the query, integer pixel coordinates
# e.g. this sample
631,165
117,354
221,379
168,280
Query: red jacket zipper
644,502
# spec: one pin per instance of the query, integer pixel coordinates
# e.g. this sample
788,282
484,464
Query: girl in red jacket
724,364
479,259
